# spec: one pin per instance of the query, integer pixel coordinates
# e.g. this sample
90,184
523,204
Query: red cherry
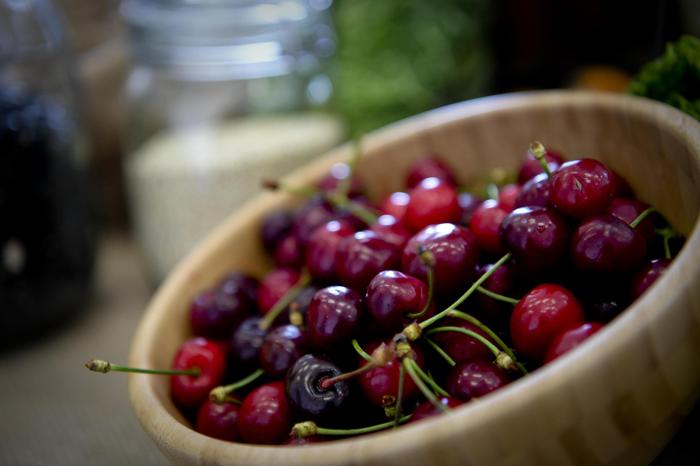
582,188
392,230
333,316
274,286
206,355
391,295
501,282
312,214
542,314
216,314
362,256
338,174
322,247
264,417
507,196
275,226
381,384
531,166
535,192
427,409
485,224
218,420
432,201
570,339
629,209
647,275
468,204
395,204
474,379
289,252
461,347
429,167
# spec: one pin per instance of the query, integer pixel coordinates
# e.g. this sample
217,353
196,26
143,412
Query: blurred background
129,129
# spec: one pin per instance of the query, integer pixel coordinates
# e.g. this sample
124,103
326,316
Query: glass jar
47,222
221,95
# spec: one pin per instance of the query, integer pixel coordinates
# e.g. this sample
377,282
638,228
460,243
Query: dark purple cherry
535,192
582,188
218,420
281,348
455,251
474,379
240,284
604,310
392,230
289,253
338,174
362,256
536,236
275,226
427,409
312,214
306,397
461,347
629,209
606,244
322,247
333,317
468,202
216,314
647,275
501,282
246,342
532,167
391,295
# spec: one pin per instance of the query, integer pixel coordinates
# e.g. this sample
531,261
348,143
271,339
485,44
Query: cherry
507,196
391,295
275,226
218,420
392,230
307,396
570,339
532,167
312,214
362,256
536,192
333,316
474,379
536,236
582,188
216,314
339,173
501,282
427,409
190,391
606,244
289,253
264,416
629,209
281,348
395,204
242,285
485,223
604,310
647,275
467,203
622,187
429,167
461,347
322,247
455,251
381,384
432,201
246,341
542,314
274,286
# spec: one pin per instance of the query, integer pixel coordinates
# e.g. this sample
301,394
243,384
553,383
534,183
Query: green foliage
397,58
674,78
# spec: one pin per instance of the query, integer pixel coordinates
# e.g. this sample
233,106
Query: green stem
399,396
284,301
470,333
426,323
360,351
538,150
666,233
361,430
353,207
430,381
221,393
640,218
410,366
496,296
99,365
440,351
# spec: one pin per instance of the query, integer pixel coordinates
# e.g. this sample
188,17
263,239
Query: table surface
53,411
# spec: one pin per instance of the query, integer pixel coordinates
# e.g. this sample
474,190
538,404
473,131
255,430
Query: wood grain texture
615,400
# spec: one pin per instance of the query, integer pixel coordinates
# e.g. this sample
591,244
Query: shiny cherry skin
429,167
501,281
218,420
274,286
485,224
306,396
647,275
543,313
468,203
281,348
362,256
242,285
474,379
395,204
570,339
507,196
535,192
606,244
334,316
455,250
216,314
427,409
275,226
432,201
289,253
206,355
629,209
582,188
246,341
392,230
391,295
537,237
381,384
322,247
264,416
532,167
461,347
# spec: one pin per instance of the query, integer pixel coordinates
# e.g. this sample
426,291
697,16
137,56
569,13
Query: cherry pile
381,314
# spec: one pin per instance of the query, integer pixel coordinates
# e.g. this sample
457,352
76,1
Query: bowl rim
167,430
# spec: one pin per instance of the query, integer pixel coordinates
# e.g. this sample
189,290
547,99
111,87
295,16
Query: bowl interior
656,148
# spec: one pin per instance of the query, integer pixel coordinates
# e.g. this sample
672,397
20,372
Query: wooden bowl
617,399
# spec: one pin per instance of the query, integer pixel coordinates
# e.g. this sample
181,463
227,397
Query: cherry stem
410,365
327,383
309,428
496,296
430,381
221,394
428,260
399,396
284,301
467,293
491,334
440,351
538,150
470,333
99,365
360,351
640,218
666,233
492,191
